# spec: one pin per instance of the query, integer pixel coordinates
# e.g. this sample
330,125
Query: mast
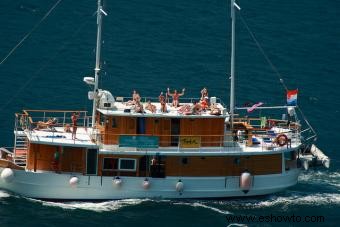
97,68
232,63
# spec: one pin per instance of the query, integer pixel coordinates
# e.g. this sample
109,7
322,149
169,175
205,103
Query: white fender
245,181
179,186
117,182
7,175
74,182
146,184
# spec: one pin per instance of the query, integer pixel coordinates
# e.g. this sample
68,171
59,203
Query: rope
36,73
264,53
274,69
30,32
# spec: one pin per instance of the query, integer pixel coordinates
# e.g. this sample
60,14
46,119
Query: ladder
20,144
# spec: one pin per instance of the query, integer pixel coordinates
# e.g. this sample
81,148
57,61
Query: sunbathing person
196,108
214,110
204,103
175,96
44,125
204,93
149,106
162,101
139,108
135,98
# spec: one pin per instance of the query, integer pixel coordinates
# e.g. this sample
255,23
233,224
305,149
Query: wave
321,177
93,206
203,205
4,194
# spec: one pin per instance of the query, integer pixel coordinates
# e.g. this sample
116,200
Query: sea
151,45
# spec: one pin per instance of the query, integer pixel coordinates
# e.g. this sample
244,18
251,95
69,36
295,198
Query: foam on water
201,204
321,177
94,206
4,194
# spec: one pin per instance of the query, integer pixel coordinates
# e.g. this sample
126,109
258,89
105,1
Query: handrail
57,111
181,99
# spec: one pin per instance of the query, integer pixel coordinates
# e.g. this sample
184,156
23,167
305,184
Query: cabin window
110,163
114,122
127,164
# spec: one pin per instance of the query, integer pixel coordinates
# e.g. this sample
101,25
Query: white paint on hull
49,185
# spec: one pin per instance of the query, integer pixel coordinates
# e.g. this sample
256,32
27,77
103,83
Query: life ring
281,140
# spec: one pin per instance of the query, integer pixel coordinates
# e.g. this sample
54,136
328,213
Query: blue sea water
151,45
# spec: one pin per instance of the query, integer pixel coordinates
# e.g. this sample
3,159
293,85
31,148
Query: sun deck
127,109
57,136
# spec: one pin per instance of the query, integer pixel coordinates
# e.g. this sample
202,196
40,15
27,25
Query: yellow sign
190,141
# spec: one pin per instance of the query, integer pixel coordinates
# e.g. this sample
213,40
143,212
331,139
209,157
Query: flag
251,109
292,97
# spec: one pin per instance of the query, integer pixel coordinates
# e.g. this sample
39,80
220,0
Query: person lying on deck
135,98
149,106
214,110
48,124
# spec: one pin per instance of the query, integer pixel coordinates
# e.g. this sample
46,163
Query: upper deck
254,139
187,108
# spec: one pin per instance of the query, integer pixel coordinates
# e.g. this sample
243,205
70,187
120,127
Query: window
127,164
110,163
114,122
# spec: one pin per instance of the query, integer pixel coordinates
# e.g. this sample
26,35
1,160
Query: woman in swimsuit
162,101
74,119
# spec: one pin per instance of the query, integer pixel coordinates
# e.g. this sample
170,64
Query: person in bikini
204,93
175,96
149,106
162,101
74,119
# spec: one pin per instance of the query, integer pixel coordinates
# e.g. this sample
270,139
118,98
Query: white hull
50,185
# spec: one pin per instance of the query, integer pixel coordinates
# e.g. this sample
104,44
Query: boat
163,147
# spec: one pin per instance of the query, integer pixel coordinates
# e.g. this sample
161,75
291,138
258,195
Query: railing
168,100
30,118
202,143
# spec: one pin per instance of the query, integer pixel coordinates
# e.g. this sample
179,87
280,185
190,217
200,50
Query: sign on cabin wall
190,141
139,141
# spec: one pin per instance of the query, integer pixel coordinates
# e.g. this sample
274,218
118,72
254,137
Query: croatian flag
292,97
251,109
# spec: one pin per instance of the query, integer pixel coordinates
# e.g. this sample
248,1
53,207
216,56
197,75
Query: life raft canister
281,140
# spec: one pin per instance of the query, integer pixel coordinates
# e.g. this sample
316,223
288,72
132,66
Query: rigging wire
264,53
36,73
30,32
274,69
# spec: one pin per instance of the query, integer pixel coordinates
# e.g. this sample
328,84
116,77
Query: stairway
20,148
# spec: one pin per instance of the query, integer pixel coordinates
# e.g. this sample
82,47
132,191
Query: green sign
139,141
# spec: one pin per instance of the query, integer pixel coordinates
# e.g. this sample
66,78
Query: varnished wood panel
41,157
223,166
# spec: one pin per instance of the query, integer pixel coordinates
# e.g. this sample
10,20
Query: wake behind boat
166,146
